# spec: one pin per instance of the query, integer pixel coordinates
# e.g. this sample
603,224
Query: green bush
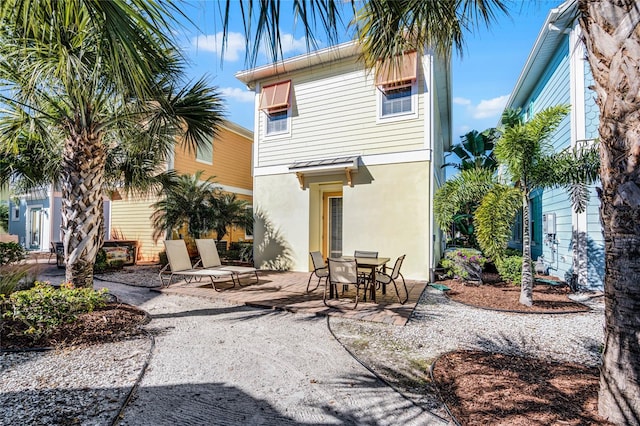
36,312
11,253
464,263
510,269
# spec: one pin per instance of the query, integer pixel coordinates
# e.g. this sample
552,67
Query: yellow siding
130,219
231,160
334,110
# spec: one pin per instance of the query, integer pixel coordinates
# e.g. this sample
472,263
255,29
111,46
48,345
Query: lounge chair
320,269
343,272
384,279
210,259
180,266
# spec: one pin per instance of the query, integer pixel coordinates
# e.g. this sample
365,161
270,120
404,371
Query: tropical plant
93,95
522,150
464,264
530,163
4,216
475,150
36,312
456,201
230,211
188,203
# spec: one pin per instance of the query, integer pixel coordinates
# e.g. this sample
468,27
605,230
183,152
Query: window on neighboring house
204,154
274,102
15,213
397,84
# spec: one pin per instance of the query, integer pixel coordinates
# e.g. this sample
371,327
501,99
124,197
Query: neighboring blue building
556,72
37,218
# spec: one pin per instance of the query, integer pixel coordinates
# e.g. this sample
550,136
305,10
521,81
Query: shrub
36,312
510,269
464,263
11,253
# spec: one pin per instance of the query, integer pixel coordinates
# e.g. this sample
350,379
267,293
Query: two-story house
227,160
345,160
557,73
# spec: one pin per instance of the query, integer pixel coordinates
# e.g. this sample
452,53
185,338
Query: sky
483,77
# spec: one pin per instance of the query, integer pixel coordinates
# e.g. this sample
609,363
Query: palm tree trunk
82,207
611,36
526,287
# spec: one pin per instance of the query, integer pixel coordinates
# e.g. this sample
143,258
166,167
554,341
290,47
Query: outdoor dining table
372,263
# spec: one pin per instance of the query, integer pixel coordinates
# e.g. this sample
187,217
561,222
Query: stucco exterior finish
281,226
386,210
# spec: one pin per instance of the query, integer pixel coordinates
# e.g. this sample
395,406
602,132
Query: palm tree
188,202
85,82
523,151
456,201
475,150
611,35
230,211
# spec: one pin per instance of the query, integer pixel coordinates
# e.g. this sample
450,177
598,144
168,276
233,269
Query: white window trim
265,118
413,114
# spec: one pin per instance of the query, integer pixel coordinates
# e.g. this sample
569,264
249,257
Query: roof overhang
323,56
325,166
554,29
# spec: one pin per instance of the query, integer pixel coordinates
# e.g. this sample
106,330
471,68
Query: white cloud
237,94
235,46
488,108
461,101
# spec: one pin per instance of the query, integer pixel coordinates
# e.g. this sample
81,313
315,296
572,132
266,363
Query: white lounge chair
180,266
210,259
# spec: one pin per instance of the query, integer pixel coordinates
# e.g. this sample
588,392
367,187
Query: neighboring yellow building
228,160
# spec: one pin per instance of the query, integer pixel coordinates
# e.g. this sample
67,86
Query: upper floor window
274,101
396,101
204,154
397,84
15,213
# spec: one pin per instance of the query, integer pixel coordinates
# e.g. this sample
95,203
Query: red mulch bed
113,322
483,388
495,294
494,389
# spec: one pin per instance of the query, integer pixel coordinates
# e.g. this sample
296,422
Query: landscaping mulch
499,295
482,388
113,322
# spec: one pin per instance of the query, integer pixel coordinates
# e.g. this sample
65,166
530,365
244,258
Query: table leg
373,285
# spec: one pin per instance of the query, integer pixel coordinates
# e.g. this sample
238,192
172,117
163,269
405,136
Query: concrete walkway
218,364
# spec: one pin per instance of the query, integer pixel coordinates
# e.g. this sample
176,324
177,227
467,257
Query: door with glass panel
34,228
332,224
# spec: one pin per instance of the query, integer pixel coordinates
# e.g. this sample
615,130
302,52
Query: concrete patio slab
287,291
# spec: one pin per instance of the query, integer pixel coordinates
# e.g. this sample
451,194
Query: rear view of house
344,161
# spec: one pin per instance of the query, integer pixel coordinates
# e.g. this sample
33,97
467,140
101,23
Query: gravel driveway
214,363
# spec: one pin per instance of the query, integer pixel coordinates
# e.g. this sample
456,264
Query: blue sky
482,79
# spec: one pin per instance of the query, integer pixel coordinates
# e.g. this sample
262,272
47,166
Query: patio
286,291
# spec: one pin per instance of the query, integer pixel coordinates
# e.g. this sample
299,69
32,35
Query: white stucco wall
386,210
